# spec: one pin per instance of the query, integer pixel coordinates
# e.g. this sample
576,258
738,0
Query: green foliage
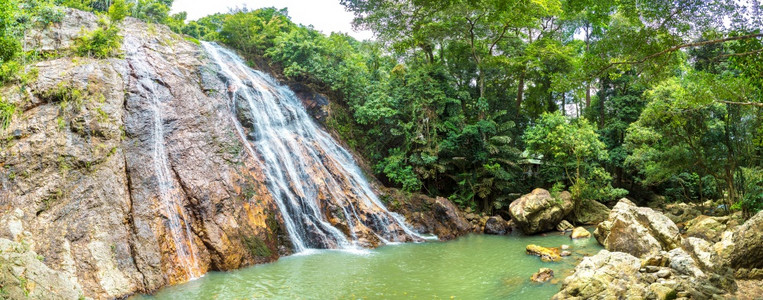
689,187
685,128
6,113
152,11
102,42
751,183
442,102
573,147
118,10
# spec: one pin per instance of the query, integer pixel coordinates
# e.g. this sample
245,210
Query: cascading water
176,220
321,193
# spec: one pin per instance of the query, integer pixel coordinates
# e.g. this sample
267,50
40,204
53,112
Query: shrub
103,42
6,113
118,10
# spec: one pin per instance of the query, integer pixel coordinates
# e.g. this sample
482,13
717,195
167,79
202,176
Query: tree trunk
520,88
588,82
601,107
564,104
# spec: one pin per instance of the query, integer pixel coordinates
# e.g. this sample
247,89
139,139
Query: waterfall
324,198
175,219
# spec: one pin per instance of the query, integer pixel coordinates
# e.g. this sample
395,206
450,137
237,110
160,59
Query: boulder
637,230
580,233
590,212
682,212
708,228
543,275
436,216
564,225
702,252
496,225
605,275
743,247
619,275
538,211
546,254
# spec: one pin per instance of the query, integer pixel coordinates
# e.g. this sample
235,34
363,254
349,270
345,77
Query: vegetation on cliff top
655,97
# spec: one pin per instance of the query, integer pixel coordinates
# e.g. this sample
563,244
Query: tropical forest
463,149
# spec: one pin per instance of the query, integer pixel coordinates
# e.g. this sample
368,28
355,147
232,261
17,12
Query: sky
325,15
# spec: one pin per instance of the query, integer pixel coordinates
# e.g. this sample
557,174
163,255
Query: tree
687,126
572,147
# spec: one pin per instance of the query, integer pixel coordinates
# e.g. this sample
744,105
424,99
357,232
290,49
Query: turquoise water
472,267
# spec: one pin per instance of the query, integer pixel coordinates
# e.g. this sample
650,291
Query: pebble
565,247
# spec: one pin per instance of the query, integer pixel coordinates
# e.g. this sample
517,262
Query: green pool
472,267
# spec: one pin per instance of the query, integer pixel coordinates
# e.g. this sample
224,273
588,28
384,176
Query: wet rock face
637,230
436,216
317,105
124,173
538,211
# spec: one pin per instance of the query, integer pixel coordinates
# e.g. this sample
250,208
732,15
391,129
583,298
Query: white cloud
325,15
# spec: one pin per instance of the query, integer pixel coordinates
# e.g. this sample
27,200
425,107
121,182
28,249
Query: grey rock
538,211
496,225
637,230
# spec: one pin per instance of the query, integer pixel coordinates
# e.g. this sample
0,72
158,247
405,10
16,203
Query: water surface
472,267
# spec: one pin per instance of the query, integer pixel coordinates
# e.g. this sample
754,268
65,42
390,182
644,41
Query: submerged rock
496,225
564,225
546,254
637,230
538,211
580,233
543,275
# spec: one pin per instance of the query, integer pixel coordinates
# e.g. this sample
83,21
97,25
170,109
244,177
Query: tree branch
679,47
758,104
738,54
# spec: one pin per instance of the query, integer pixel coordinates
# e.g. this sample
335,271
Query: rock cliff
123,174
